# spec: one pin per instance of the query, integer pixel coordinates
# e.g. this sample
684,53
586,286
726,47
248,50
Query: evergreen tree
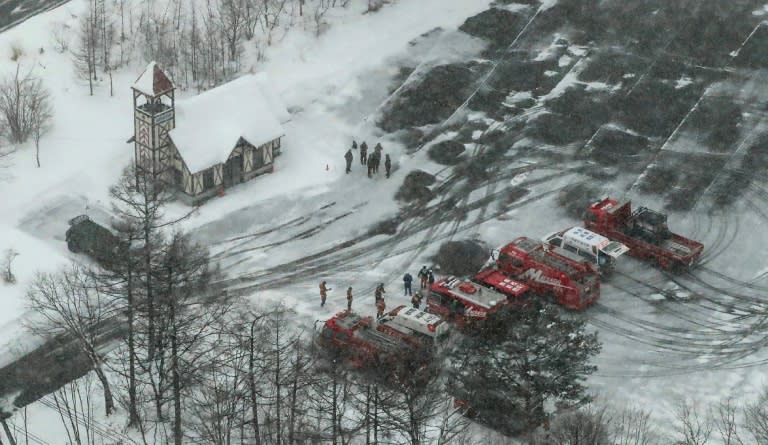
536,362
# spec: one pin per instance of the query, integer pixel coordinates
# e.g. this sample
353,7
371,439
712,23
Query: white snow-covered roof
153,81
209,125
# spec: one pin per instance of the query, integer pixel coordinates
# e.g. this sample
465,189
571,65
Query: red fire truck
644,231
357,340
471,303
561,275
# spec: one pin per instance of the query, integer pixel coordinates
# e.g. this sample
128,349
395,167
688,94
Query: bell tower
153,117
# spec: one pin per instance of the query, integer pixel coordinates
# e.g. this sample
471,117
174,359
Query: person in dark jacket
370,166
363,153
387,164
379,292
348,158
376,161
378,147
354,144
407,280
416,300
431,277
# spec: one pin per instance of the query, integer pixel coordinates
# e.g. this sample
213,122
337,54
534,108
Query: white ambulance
584,245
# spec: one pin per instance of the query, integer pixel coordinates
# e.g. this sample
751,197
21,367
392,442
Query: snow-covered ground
656,333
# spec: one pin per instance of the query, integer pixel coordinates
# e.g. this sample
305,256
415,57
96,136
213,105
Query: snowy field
698,335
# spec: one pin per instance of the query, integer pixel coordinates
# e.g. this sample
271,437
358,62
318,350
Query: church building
204,144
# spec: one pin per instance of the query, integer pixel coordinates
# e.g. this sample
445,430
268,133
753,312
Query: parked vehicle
559,276
357,340
588,246
413,326
88,237
644,231
469,303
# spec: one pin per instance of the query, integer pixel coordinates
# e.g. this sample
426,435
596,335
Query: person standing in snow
370,166
378,147
387,164
380,306
323,293
423,276
376,161
354,144
416,300
379,292
349,299
407,279
364,153
430,277
348,158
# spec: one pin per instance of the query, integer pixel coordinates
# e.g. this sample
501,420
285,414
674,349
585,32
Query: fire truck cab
587,246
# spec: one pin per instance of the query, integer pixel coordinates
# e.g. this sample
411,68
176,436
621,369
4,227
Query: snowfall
334,86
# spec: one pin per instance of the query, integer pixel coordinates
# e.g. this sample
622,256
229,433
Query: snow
331,86
564,61
237,109
683,82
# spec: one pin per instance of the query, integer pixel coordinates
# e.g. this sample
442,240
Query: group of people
324,289
372,161
426,278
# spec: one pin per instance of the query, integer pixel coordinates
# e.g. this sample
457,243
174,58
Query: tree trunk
109,403
8,432
367,415
375,415
37,150
252,384
294,399
334,433
278,386
133,413
176,375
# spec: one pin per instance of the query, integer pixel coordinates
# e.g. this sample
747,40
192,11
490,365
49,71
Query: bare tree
756,418
75,406
9,255
692,428
24,106
84,56
71,305
631,426
724,416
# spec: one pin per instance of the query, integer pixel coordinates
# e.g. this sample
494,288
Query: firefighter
376,161
348,158
370,166
380,306
378,147
379,292
387,164
323,293
430,277
349,299
364,153
423,276
407,279
416,300
354,144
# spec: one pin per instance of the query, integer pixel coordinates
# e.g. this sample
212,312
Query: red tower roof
153,81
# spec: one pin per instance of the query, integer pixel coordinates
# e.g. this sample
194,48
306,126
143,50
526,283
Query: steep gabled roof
153,81
208,126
